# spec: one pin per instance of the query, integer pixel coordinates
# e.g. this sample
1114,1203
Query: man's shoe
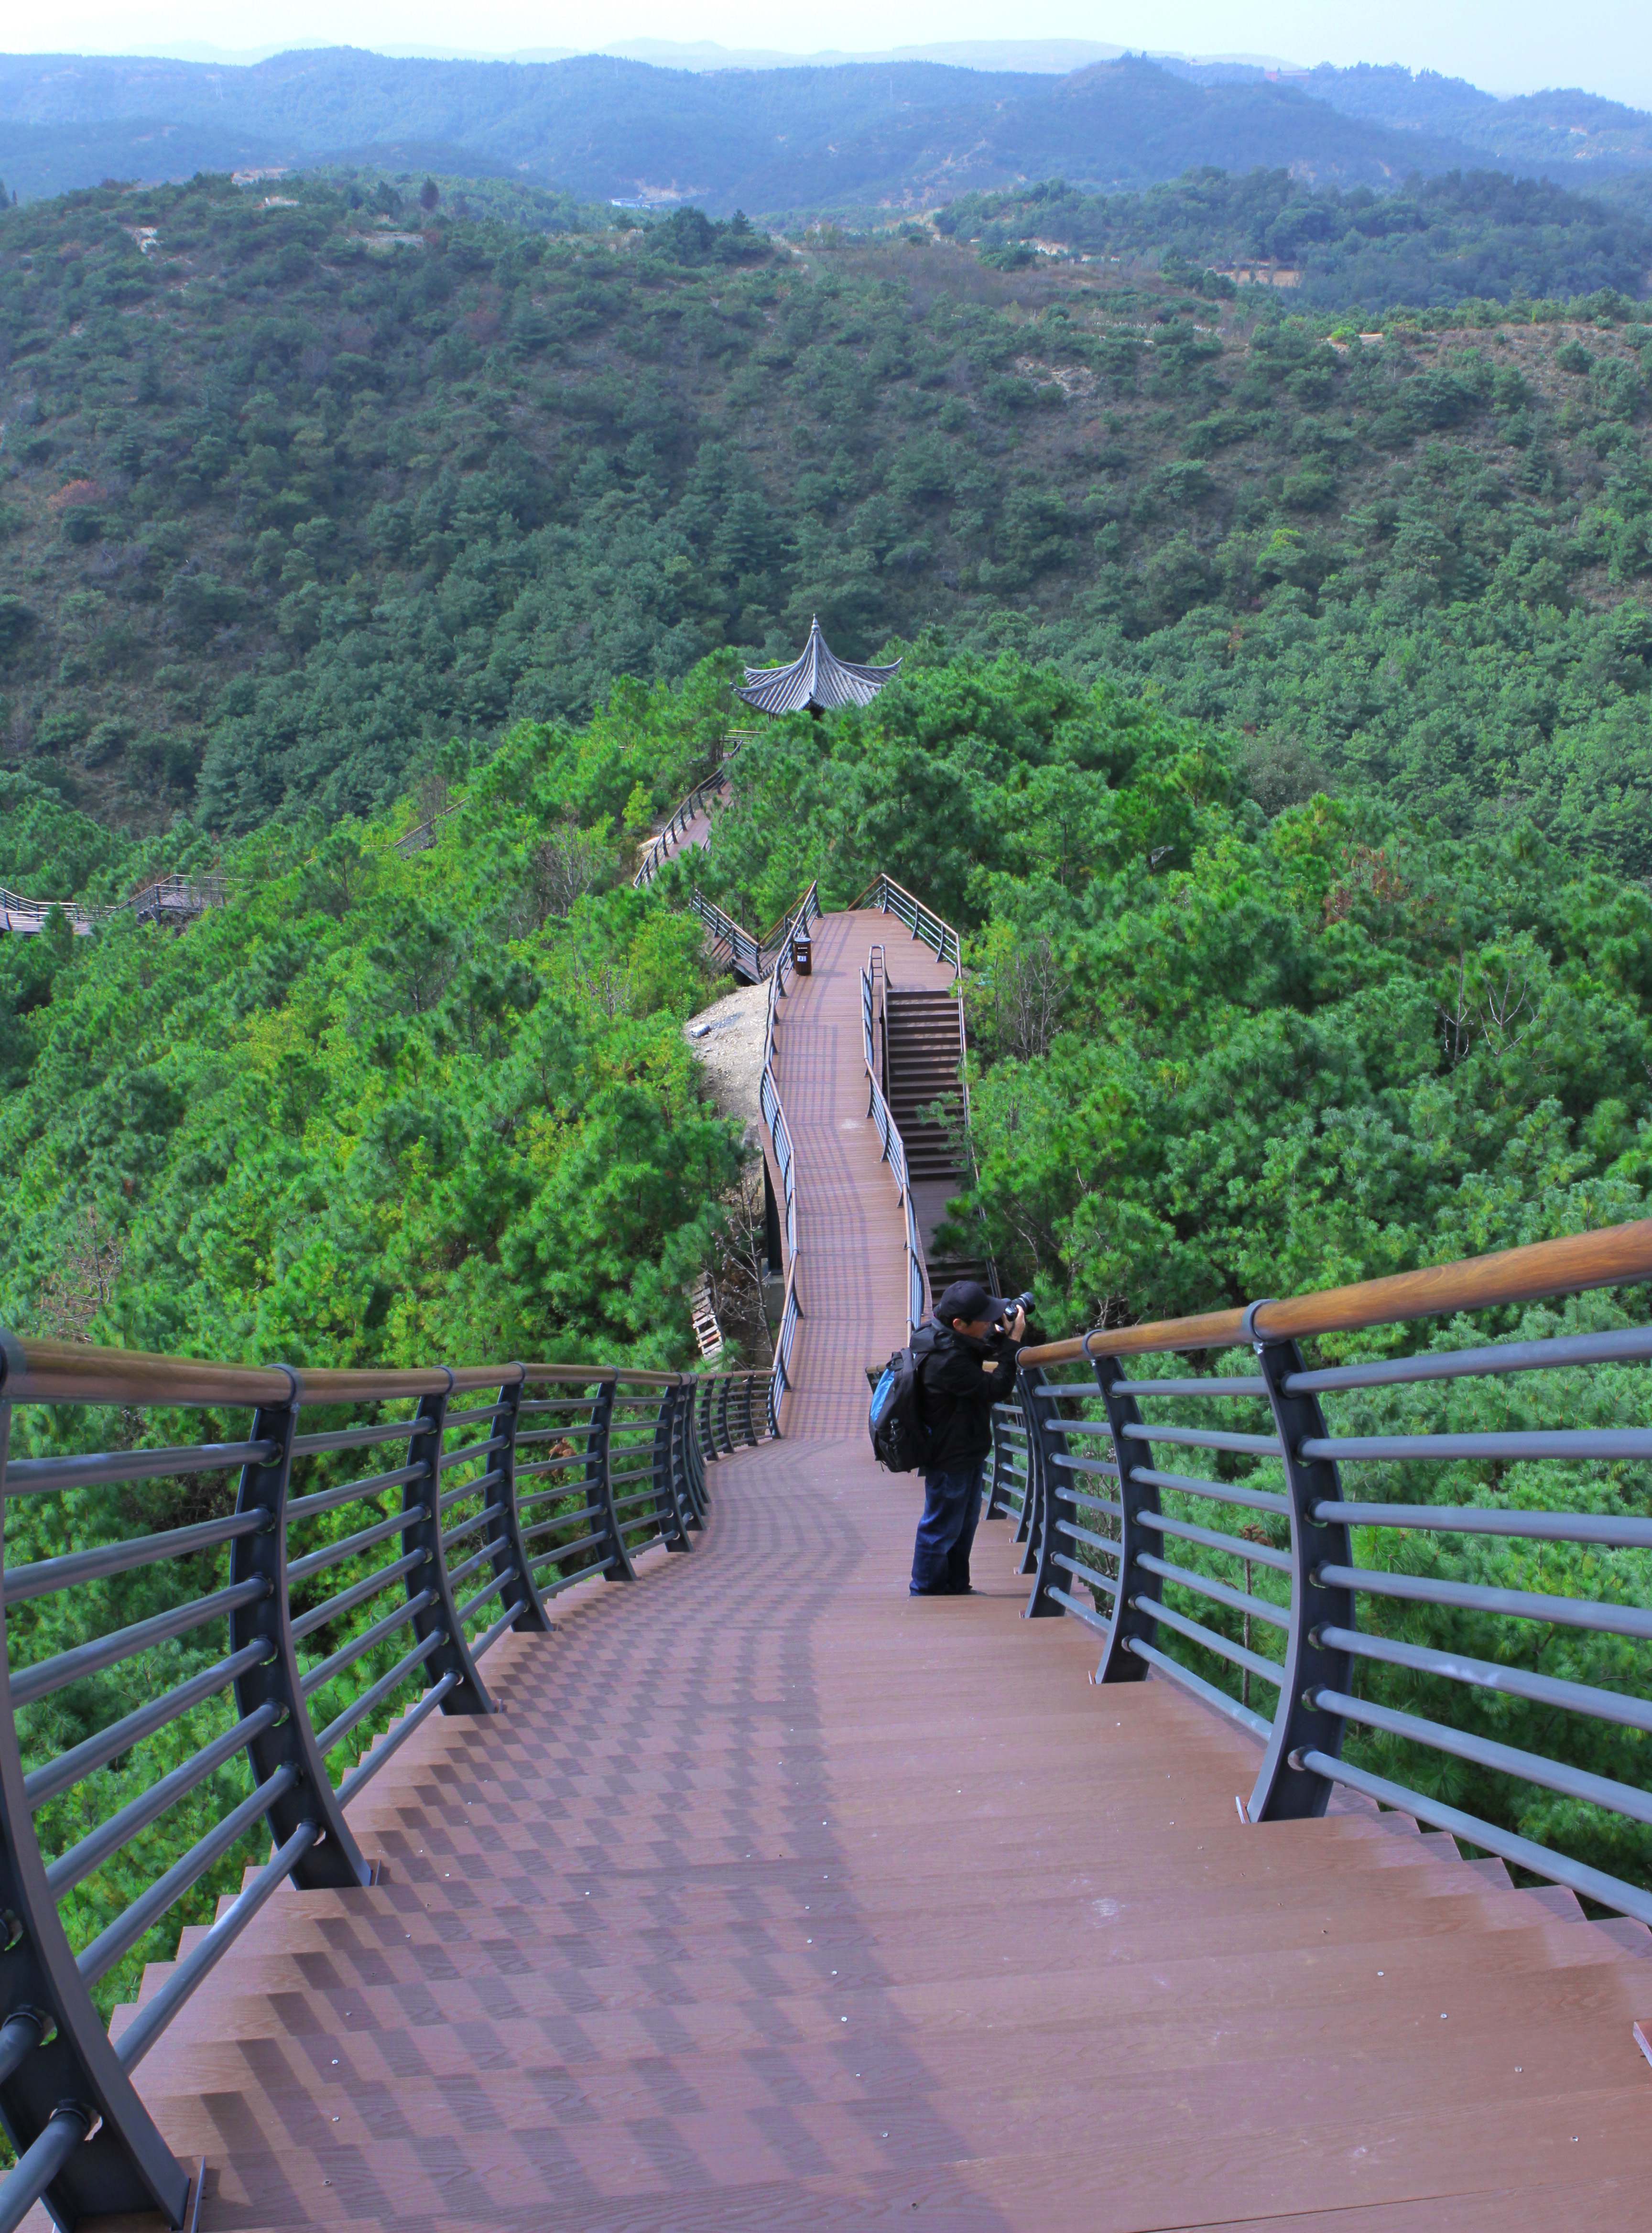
960,1589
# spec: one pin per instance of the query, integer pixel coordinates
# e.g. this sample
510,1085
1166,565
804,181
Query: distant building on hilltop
818,681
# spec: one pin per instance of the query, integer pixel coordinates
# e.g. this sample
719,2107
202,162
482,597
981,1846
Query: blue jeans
952,1507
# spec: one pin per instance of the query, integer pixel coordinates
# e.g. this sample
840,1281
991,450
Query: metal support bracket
421,1500
512,1553
1131,1621
1284,1789
335,1861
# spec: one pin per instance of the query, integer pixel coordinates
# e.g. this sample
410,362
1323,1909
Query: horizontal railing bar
462,1490
1083,1426
35,1476
1484,1520
1203,1438
1207,1586
1490,1675
1471,1597
558,1403
327,1500
563,1433
1263,1554
1525,1852
1627,1345
546,1527
1088,1575
41,2163
392,1739
316,1679
1067,1463
1083,1535
473,1418
575,1464
82,1760
642,1496
1575,1443
567,1581
1505,1760
1269,1669
106,1950
453,1535
1095,1503
360,1708
492,1591
98,1844
469,1450
1216,1384
1087,1614
484,1643
46,1576
155,2015
1201,1688
360,1438
563,1550
28,1684
490,1549
1621,1255
335,1554
347,1600
1220,1492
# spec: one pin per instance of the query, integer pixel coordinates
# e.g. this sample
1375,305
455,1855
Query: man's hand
1015,1328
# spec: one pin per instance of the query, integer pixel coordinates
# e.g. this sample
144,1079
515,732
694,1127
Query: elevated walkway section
850,1234
774,1898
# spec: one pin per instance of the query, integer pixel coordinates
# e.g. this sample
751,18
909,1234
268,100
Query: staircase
923,1058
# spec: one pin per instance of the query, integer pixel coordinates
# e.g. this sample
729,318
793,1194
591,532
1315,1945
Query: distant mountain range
851,137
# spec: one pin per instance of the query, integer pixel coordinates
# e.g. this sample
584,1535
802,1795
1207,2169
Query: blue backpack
894,1418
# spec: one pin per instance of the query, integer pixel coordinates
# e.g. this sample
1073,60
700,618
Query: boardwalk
774,1898
853,1276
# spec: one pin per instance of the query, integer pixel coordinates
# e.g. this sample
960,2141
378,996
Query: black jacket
957,1396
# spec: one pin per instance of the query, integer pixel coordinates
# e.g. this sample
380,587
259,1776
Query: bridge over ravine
708,1881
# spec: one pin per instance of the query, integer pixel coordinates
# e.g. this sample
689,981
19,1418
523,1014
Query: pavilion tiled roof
818,681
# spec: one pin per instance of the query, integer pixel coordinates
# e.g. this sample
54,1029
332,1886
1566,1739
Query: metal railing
806,913
894,1153
344,1543
890,898
1476,1608
666,841
166,899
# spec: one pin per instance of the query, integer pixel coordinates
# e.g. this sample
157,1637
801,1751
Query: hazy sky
1513,46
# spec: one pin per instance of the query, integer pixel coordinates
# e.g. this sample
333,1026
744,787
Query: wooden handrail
1617,1256
73,1372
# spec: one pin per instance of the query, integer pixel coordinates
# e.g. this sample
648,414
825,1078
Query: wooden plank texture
775,1898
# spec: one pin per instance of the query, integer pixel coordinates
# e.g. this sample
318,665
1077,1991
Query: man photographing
966,1367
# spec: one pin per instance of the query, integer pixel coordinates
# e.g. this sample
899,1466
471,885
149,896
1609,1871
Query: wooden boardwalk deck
852,1275
774,1898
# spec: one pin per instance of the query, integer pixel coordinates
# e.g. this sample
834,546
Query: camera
1004,1308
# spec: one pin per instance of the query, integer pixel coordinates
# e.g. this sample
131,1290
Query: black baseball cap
966,1299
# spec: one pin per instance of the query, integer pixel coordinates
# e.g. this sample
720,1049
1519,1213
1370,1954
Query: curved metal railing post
335,1859
438,1614
1132,1623
59,2071
1286,1789
1046,1497
748,1390
670,1503
599,1484
694,1454
510,1558
722,1446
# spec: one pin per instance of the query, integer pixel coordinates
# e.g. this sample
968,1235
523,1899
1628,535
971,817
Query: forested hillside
297,487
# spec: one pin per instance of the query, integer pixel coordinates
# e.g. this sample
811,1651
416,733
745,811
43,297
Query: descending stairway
774,1899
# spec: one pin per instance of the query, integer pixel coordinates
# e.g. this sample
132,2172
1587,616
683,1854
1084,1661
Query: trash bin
802,953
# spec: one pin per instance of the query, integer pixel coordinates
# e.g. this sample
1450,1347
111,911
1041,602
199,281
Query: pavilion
818,681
